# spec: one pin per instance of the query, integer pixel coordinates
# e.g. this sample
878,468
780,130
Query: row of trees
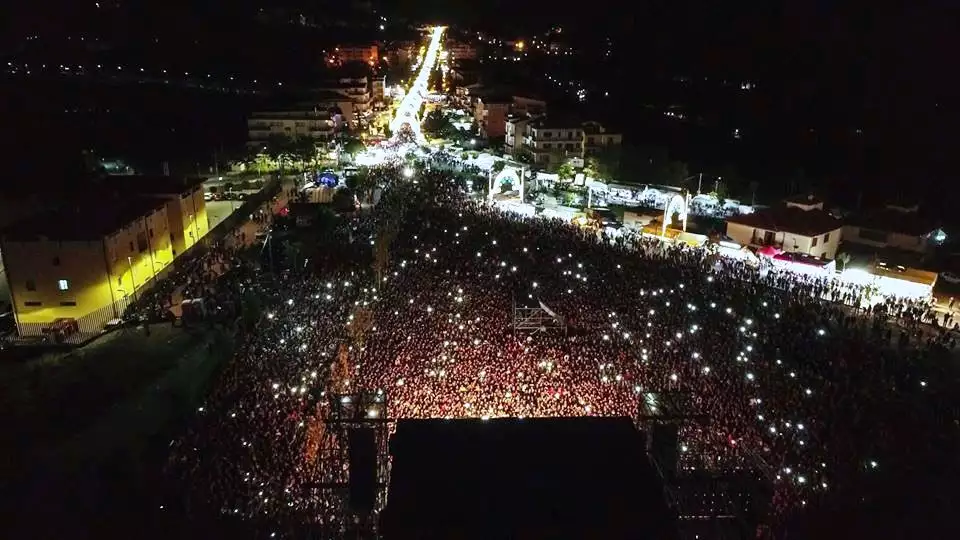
298,152
438,124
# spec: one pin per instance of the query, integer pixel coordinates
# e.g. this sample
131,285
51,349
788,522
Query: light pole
699,177
133,278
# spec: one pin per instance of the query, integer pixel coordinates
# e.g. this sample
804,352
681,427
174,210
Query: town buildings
343,54
459,50
319,122
553,139
80,265
892,226
491,110
798,225
341,103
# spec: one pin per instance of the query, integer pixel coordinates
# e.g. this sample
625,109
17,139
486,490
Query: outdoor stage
523,478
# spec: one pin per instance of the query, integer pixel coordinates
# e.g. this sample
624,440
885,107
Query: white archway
511,175
678,203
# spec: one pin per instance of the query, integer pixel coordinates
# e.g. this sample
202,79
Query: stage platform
517,479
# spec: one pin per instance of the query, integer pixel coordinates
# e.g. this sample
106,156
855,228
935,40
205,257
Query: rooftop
141,184
557,121
807,199
789,219
84,220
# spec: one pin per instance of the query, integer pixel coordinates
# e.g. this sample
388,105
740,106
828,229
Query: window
33,304
31,285
68,303
826,238
151,233
120,281
131,245
141,242
815,239
63,285
56,261
547,146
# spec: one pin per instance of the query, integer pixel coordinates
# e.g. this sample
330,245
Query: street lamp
133,278
699,177
408,172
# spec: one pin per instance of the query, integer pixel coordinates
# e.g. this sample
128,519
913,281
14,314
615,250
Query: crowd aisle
797,379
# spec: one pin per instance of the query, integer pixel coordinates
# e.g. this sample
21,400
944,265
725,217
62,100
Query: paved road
218,211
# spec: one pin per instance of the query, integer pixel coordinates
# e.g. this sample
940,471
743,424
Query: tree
344,201
498,167
566,171
381,251
305,149
353,146
280,148
523,155
606,162
844,259
591,167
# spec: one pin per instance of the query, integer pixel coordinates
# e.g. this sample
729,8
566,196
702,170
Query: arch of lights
509,175
678,204
410,104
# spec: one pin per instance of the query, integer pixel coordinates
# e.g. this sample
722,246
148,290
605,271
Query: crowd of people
794,376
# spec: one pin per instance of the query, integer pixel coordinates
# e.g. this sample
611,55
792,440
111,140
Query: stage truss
530,320
341,413
705,500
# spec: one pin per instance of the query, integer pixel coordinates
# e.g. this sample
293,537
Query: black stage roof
529,478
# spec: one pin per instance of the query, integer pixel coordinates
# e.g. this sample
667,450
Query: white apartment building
317,124
357,89
552,139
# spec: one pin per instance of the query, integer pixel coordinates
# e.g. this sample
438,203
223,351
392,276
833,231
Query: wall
130,275
187,215
908,242
494,123
80,263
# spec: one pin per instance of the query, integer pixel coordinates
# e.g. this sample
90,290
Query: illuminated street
409,109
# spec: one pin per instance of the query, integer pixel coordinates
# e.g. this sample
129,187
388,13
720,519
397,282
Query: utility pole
133,279
699,182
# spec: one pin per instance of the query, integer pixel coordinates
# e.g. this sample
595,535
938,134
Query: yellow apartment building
186,209
85,262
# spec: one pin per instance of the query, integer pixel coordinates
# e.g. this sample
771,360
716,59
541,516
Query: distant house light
63,285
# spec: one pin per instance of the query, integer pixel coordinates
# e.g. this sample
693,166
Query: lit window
63,285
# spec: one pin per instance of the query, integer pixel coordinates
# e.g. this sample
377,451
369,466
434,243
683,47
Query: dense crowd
789,370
